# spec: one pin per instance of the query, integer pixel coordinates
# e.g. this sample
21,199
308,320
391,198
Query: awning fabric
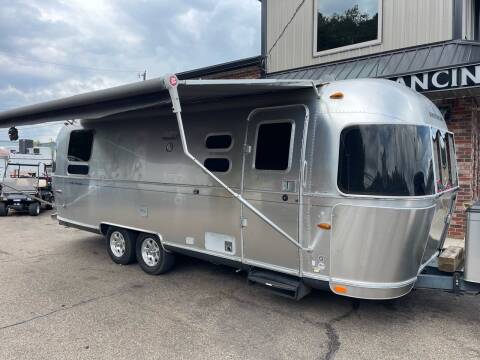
139,95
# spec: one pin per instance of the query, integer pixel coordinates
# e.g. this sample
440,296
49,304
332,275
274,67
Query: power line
69,65
286,26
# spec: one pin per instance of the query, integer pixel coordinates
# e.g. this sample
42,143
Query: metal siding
405,23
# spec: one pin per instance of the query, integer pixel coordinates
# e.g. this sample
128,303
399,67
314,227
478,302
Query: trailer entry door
272,184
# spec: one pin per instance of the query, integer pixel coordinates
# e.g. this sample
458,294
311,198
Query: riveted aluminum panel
378,245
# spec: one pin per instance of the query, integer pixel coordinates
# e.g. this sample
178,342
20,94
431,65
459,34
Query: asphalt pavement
61,297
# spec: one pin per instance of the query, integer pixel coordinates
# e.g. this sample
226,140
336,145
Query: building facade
432,46
249,68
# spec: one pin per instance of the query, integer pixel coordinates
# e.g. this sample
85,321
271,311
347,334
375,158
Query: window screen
217,142
273,146
80,145
220,165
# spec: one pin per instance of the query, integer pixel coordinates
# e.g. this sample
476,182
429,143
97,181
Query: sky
51,49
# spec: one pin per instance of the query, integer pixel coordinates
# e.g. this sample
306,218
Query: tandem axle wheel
125,246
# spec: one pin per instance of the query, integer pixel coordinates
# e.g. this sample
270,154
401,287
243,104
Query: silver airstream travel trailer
347,186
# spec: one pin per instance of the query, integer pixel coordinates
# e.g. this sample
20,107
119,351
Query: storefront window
346,23
386,160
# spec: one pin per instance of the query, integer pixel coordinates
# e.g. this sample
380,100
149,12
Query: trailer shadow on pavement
62,297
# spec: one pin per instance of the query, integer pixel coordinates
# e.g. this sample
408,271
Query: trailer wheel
34,209
3,209
121,245
151,256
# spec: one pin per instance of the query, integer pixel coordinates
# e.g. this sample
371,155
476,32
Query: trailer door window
273,146
386,160
80,145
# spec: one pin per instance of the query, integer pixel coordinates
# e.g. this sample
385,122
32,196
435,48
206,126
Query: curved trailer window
386,160
445,160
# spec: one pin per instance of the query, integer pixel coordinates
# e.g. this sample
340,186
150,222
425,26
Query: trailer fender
105,225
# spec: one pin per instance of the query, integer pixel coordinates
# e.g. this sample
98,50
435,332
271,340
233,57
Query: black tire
34,209
158,261
121,245
3,209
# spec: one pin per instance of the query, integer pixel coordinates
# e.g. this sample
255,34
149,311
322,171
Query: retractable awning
166,91
139,95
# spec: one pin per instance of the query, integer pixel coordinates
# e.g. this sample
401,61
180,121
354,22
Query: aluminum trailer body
348,186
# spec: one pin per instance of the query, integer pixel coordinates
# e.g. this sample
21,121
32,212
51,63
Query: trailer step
283,285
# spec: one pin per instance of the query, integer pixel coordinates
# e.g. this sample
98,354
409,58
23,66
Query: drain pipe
171,83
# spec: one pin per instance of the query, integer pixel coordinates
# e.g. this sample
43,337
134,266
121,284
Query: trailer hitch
432,278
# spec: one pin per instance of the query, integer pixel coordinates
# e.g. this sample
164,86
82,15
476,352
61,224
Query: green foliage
351,27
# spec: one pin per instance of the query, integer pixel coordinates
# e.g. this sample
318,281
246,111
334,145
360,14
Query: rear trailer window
386,160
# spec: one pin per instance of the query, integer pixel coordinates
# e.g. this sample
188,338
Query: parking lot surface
61,297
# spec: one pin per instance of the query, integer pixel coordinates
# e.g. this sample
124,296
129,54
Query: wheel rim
117,244
37,209
150,252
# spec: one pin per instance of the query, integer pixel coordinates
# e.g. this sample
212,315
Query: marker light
337,95
324,226
340,289
173,80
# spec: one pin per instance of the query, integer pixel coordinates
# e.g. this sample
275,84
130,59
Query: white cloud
103,43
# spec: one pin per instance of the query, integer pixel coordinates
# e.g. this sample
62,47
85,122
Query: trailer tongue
464,277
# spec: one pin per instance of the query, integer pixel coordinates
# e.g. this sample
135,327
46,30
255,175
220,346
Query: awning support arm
171,83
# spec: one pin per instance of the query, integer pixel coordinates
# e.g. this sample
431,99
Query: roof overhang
140,95
449,66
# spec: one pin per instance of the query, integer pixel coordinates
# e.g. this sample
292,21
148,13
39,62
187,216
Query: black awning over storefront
452,65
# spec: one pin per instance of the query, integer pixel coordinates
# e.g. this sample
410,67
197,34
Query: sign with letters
452,78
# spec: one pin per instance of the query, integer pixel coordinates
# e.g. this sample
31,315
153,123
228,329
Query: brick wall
464,124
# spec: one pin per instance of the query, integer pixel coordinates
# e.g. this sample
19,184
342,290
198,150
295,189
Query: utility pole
143,75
